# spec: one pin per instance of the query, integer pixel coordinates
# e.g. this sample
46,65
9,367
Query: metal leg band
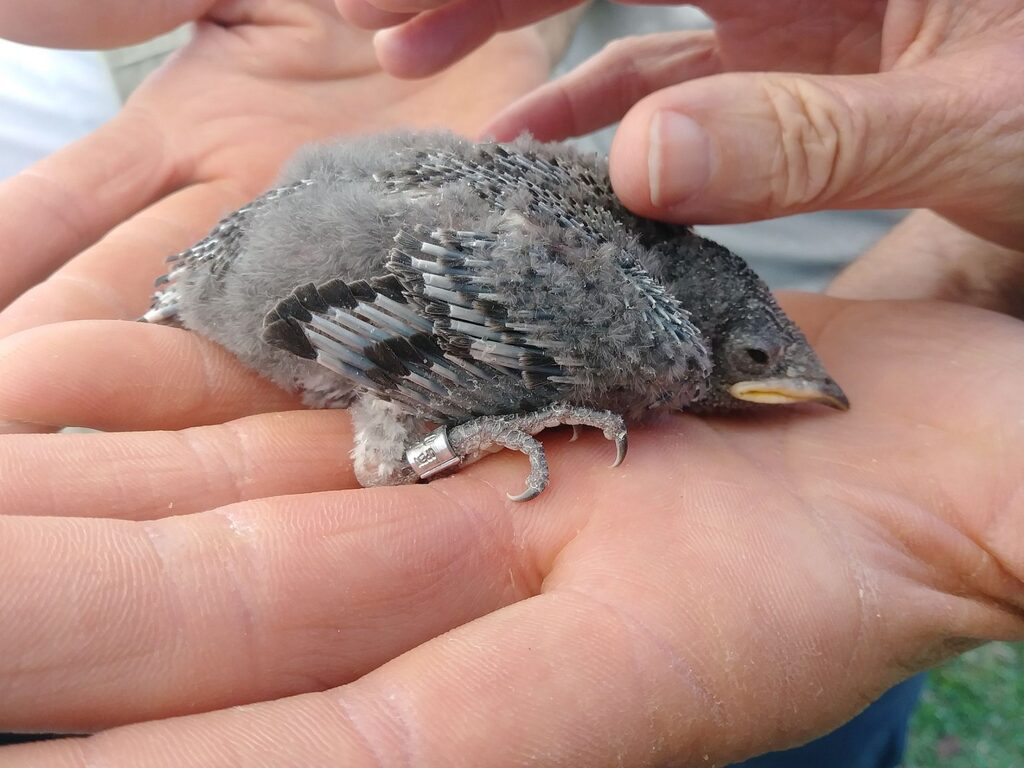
432,455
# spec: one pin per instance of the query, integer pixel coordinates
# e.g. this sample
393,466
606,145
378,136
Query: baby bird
459,298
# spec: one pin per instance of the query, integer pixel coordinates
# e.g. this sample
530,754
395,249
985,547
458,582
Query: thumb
739,147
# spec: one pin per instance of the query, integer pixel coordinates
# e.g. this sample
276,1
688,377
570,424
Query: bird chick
459,298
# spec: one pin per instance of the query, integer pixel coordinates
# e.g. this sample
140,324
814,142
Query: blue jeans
876,738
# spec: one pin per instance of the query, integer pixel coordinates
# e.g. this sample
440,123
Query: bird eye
758,356
752,355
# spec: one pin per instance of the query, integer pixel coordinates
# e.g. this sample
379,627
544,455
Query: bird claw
469,441
527,495
621,446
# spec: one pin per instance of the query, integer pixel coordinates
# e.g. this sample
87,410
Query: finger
113,375
103,24
144,476
246,603
747,146
602,89
114,278
433,40
67,201
927,257
558,680
364,15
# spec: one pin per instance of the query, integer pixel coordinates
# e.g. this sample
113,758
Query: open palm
736,585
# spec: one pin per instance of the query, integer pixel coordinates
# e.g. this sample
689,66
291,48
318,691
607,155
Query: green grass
972,712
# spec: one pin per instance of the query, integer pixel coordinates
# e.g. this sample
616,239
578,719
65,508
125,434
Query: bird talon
527,495
621,446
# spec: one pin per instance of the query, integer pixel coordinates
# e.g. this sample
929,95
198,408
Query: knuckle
630,77
819,133
620,50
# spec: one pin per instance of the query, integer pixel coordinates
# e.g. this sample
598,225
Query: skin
738,585
937,259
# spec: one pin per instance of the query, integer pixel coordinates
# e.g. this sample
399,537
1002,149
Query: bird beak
782,391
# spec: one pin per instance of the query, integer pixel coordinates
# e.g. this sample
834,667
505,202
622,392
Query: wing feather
405,339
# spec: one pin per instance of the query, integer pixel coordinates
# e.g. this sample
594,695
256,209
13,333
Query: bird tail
164,308
214,254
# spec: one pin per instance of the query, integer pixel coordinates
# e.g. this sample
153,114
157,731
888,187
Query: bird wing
215,252
432,333
464,324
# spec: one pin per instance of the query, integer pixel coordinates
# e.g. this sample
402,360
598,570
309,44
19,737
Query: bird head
759,356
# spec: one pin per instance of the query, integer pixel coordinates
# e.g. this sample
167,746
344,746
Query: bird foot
446,448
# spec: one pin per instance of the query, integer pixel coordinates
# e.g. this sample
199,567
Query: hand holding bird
209,552
727,572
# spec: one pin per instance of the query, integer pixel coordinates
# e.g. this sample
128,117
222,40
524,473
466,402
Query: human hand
204,135
928,257
904,104
740,584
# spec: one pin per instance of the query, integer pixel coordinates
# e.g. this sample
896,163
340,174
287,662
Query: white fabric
47,99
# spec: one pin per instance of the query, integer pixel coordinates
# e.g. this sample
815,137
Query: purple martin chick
459,298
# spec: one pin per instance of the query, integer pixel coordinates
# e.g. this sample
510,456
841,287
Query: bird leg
382,430
467,442
475,439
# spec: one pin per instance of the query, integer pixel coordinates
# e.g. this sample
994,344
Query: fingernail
679,158
395,56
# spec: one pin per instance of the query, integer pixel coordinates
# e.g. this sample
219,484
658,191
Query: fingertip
401,57
662,161
499,129
701,152
678,158
116,375
628,164
504,126
534,113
